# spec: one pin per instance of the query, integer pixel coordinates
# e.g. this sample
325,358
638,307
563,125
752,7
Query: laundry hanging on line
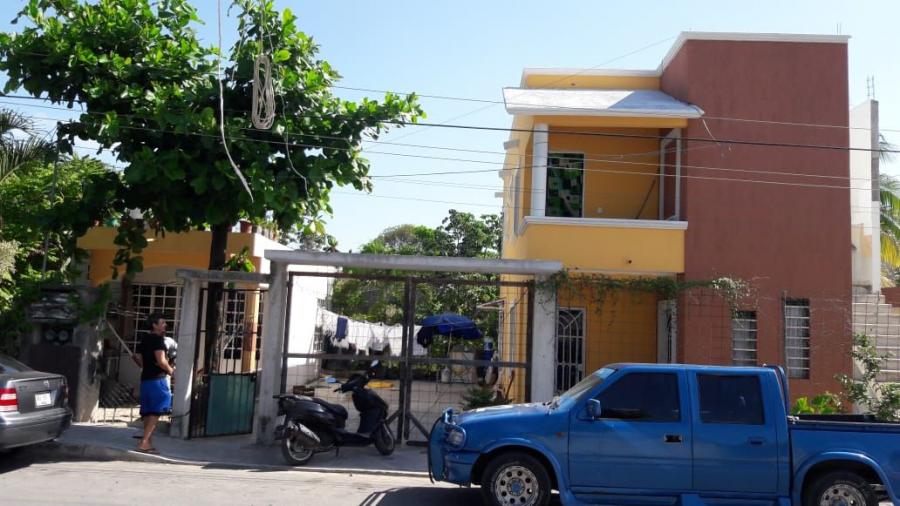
345,333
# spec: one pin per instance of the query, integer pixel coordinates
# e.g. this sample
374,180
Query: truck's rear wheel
840,488
515,478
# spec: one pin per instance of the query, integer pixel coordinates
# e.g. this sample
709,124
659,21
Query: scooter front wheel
295,453
384,440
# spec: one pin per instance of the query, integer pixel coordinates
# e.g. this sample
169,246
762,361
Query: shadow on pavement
44,453
432,496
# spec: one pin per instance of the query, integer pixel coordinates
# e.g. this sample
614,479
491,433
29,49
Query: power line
501,206
643,114
492,102
606,171
515,189
637,136
656,137
389,143
616,159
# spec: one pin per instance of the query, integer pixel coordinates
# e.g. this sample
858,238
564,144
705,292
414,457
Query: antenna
870,87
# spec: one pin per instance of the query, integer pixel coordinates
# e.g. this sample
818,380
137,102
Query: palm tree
890,209
890,220
19,151
16,153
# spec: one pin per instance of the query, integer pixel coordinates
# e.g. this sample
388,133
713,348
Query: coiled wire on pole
263,93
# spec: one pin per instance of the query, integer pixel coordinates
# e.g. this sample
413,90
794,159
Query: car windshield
587,383
10,365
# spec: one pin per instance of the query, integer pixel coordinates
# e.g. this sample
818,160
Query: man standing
156,397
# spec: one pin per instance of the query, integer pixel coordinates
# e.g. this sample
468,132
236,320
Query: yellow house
692,172
157,289
591,179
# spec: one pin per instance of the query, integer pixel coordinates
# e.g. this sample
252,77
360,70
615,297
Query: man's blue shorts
156,398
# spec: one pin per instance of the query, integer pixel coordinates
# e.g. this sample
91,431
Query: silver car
33,405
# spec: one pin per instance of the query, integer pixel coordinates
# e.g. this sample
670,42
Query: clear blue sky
475,48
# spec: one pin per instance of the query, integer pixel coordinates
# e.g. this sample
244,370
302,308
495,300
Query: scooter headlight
456,436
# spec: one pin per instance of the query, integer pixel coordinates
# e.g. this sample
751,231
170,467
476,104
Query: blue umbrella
447,324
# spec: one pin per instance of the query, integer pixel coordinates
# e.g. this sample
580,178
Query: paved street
29,480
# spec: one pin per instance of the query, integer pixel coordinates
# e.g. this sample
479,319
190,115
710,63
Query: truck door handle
756,441
673,438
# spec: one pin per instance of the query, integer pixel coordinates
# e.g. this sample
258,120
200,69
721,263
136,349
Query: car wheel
295,453
515,478
840,487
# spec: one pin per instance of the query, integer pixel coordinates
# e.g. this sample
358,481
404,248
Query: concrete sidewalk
116,442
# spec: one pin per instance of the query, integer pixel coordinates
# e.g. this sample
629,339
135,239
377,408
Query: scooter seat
337,409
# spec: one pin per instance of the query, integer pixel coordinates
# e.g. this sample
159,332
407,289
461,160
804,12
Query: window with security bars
565,185
259,323
796,338
569,348
149,298
235,309
743,338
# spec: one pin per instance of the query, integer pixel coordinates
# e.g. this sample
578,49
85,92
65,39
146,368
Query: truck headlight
456,436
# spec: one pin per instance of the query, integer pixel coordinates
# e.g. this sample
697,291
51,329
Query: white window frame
744,338
579,367
797,338
674,135
517,198
158,298
234,323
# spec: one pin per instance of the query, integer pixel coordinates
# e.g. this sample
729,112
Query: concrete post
272,348
540,153
184,367
543,352
876,197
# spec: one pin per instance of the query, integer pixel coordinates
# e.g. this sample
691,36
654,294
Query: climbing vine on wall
599,287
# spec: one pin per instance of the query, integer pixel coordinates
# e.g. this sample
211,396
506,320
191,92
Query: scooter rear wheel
294,453
384,440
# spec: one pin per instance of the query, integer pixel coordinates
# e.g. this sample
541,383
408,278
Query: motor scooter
312,425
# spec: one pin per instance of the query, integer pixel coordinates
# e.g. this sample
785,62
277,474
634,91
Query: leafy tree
151,96
406,240
881,399
464,235
460,235
47,208
8,251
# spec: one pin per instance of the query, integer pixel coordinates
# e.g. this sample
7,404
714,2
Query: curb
86,451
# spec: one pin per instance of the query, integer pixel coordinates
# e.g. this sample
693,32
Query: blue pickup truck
668,434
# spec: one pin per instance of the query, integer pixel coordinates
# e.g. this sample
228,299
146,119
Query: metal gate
368,317
570,355
225,388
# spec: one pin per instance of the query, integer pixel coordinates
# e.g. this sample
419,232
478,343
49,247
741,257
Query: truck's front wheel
840,487
515,478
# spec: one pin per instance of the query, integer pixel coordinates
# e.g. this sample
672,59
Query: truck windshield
587,383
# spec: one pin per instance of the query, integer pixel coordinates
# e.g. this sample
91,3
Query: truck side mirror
594,408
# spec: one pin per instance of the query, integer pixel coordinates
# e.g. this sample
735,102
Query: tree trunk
214,294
